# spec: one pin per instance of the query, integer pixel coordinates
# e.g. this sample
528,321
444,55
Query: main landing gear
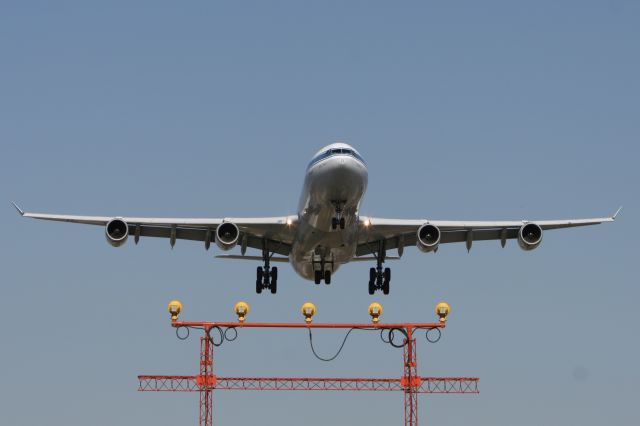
379,278
266,277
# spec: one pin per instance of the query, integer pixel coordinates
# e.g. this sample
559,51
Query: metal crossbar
433,385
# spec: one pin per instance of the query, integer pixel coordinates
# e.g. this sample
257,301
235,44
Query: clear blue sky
463,110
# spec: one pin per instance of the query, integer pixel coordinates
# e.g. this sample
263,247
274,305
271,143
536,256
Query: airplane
327,231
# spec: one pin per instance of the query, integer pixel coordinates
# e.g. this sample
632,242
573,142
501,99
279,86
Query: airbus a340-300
328,230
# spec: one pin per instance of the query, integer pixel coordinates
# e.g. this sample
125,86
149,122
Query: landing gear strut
379,278
267,277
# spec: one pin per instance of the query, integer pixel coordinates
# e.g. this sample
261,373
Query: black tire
342,223
259,273
318,277
266,280
274,286
274,273
387,274
379,280
372,274
327,277
385,288
372,287
334,223
258,286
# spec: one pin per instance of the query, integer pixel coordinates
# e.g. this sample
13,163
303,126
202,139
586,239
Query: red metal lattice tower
206,381
410,382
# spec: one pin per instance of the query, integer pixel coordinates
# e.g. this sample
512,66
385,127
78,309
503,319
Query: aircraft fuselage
334,185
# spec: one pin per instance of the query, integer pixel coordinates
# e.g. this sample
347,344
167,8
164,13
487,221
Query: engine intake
227,235
428,238
529,236
117,232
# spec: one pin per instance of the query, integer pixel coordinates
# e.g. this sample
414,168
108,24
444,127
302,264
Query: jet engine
116,232
227,235
428,238
529,236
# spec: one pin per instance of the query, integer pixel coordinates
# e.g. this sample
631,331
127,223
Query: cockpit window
334,151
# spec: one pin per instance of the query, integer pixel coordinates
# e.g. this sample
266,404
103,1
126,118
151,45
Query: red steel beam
432,385
380,326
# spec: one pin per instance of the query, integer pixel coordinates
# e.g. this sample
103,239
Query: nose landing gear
338,220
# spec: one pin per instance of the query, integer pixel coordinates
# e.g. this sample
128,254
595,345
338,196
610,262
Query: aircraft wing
277,232
398,233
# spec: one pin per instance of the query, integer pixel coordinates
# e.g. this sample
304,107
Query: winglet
616,213
18,208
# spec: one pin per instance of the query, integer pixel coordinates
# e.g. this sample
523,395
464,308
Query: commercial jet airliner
328,230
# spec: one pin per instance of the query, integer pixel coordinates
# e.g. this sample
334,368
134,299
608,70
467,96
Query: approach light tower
399,335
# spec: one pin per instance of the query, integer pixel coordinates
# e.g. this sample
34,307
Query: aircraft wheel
372,287
327,277
379,280
387,274
342,223
318,277
274,286
372,274
334,223
259,273
385,287
274,273
258,286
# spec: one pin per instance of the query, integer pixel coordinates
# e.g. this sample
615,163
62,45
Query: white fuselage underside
339,178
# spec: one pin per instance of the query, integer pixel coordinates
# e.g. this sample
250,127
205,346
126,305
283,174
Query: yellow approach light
442,310
308,309
375,310
241,309
174,308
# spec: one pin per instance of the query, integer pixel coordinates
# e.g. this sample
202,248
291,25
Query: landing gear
338,220
319,276
274,280
379,278
321,271
259,275
335,222
267,277
372,281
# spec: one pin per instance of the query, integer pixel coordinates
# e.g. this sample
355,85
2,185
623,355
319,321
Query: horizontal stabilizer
258,258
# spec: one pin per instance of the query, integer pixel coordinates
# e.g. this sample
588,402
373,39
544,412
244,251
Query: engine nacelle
529,236
117,232
428,238
227,235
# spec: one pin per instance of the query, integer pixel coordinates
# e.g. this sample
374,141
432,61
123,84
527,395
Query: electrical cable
390,340
433,340
339,349
186,336
391,336
220,332
235,336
